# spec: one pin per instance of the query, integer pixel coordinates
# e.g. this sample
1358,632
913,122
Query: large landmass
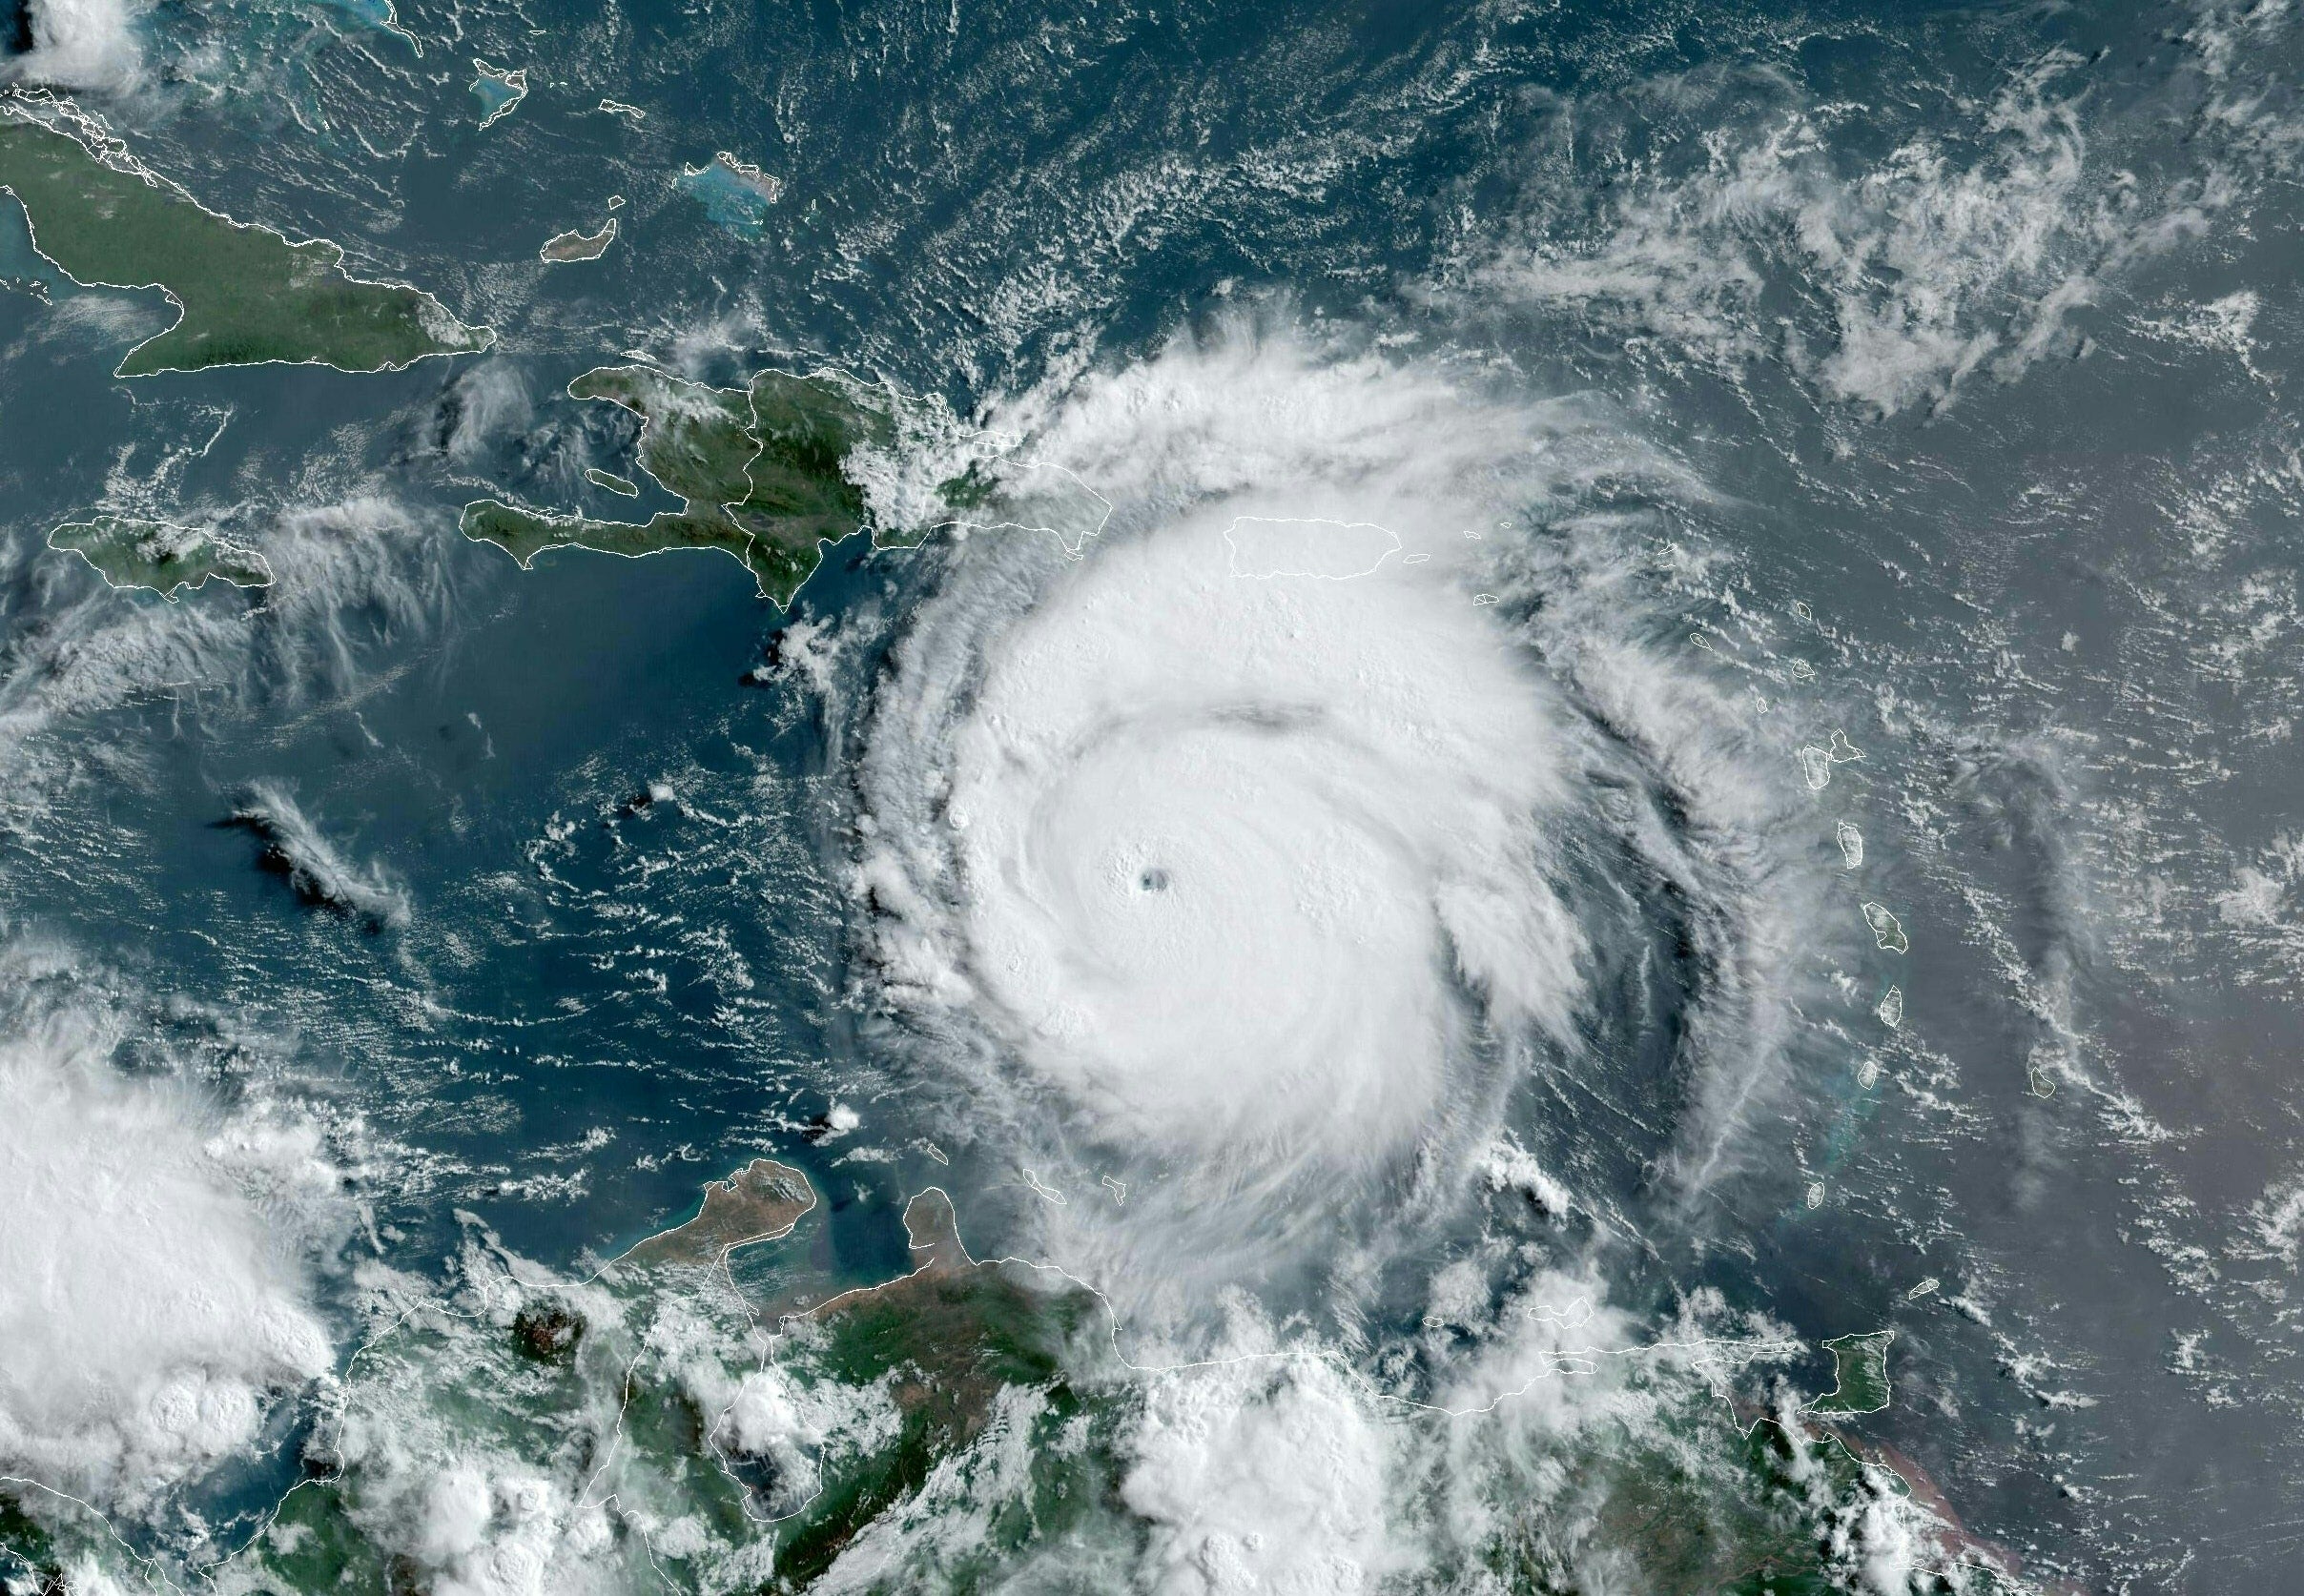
595,1390
158,555
762,472
758,469
987,1389
247,295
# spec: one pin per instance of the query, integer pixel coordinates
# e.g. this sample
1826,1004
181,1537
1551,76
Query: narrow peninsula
760,1203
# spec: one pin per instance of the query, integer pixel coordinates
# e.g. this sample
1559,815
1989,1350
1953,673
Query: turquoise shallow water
727,198
1969,330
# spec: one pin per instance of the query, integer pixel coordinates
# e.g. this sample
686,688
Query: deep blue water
973,197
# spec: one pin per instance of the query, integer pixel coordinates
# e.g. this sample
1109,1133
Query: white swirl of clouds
1222,842
1263,881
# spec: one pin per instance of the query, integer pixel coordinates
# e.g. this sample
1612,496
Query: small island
759,469
1860,1376
158,555
760,1203
735,193
499,90
574,245
622,486
1886,930
245,294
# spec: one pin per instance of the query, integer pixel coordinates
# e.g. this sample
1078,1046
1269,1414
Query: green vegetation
764,476
612,1417
522,1394
247,295
312,1545
158,555
1680,1520
973,489
963,1343
51,1545
27,1550
549,1334
606,1391
1669,1496
1860,1365
759,469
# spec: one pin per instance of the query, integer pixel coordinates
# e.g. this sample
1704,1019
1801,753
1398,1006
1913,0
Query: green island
158,555
1861,1369
759,469
246,294
623,486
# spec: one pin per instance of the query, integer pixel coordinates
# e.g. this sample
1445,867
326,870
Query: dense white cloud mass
435,1480
152,1314
77,44
1259,1477
1253,842
1223,841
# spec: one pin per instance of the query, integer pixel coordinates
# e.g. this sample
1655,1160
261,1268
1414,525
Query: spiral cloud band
1221,841
1258,840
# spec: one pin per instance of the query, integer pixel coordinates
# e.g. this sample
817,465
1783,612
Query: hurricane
1189,800
1261,862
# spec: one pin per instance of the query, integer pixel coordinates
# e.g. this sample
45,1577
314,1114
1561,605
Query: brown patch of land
937,1260
760,1203
574,245
934,1231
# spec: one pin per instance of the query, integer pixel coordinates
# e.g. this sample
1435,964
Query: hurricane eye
1153,880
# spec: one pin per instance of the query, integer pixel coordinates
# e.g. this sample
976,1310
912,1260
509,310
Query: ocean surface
1930,361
